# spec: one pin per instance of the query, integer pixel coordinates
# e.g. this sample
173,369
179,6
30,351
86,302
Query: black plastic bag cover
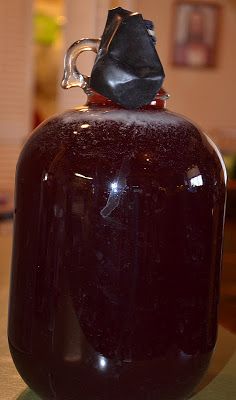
127,68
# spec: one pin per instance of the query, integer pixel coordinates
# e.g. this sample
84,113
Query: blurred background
196,43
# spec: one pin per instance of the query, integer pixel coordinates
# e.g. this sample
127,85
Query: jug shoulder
105,134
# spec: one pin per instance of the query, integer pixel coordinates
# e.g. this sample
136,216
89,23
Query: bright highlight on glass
114,187
196,181
45,178
102,362
83,176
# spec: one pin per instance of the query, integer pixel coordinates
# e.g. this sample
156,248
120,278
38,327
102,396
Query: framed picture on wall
195,33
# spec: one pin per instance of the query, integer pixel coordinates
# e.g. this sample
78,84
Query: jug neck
159,103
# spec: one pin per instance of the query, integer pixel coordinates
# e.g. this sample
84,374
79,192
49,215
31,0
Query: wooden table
220,381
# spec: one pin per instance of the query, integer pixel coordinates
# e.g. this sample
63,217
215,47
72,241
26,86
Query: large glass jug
117,251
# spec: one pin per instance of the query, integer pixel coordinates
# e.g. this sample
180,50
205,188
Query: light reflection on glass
45,178
114,187
113,198
102,362
83,176
196,181
184,356
194,178
82,109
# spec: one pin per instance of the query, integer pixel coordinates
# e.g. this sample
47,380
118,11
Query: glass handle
72,77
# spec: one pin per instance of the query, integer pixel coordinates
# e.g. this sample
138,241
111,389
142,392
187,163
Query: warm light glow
61,20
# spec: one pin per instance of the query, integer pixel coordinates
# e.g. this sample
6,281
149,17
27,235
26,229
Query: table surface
218,384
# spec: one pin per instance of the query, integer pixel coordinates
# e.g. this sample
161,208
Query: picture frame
195,37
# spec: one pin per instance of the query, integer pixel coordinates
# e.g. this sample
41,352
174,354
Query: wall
84,20
15,83
207,96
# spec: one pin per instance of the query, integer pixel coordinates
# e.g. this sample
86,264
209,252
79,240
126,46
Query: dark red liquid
117,254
